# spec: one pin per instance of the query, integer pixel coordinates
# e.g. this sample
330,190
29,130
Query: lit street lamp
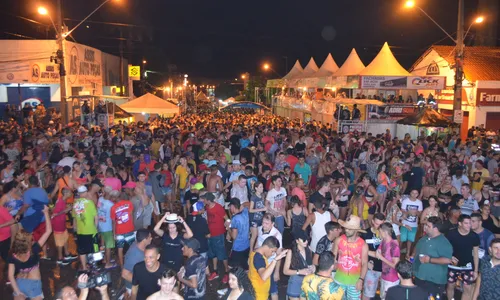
459,49
267,67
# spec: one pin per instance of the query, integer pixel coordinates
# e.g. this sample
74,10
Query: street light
243,76
43,11
144,62
266,67
459,50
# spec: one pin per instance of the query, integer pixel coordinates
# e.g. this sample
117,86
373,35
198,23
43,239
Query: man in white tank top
317,220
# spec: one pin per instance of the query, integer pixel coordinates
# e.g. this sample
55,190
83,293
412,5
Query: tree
254,82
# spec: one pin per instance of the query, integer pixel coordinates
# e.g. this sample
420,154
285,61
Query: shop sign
83,64
346,127
426,82
458,116
488,97
134,72
44,73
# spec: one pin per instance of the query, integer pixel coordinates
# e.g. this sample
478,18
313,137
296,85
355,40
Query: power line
19,35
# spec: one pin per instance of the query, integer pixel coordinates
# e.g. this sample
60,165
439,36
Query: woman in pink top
6,220
112,181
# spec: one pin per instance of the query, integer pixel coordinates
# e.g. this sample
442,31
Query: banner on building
488,97
404,82
83,65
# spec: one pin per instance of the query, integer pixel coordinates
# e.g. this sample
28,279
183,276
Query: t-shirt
30,264
412,207
59,222
33,195
123,214
485,238
323,245
302,196
191,197
183,175
463,245
470,205
277,199
414,179
373,241
104,211
477,180
241,222
147,281
389,251
4,218
315,287
316,197
84,211
195,267
198,225
304,172
433,247
133,256
258,203
401,292
215,219
490,279
262,236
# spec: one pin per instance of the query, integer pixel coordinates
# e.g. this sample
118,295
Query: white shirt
277,199
67,161
411,206
457,182
261,236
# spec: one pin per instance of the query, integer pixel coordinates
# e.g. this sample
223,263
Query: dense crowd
245,199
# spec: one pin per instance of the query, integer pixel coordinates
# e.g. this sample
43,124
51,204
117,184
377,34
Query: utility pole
62,70
459,60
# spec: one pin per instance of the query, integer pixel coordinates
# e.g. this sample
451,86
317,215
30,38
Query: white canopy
150,104
296,71
352,65
311,69
384,64
328,67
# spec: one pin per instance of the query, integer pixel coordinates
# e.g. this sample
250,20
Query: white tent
150,104
328,67
311,69
384,64
295,72
352,65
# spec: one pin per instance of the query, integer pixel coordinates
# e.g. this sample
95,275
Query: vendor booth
149,104
429,119
99,110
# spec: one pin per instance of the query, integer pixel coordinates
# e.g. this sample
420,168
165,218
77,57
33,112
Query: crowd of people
241,200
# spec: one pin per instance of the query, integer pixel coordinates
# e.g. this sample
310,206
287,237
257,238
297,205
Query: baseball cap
193,180
130,185
209,196
236,162
197,207
82,189
198,186
192,243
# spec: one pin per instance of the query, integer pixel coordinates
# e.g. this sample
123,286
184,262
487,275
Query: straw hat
352,223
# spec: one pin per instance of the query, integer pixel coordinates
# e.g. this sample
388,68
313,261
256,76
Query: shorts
385,285
466,276
32,288
87,243
395,228
256,223
371,283
39,231
126,238
407,235
61,238
294,287
273,289
109,239
343,203
239,259
381,189
216,247
350,292
166,190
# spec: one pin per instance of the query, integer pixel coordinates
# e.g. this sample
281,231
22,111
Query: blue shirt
134,255
104,212
241,222
34,194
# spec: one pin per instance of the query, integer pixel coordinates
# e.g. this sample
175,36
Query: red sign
488,97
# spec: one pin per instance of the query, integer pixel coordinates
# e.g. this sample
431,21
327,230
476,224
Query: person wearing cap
122,215
216,217
192,275
198,224
235,174
352,258
85,220
193,194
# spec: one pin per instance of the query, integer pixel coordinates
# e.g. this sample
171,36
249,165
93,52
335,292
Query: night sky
223,39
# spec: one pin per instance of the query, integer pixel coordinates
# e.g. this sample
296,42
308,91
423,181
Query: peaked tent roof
310,69
328,67
202,97
296,71
352,65
480,63
427,117
384,64
150,104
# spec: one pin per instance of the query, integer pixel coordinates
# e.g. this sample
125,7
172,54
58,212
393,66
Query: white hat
82,189
172,218
236,162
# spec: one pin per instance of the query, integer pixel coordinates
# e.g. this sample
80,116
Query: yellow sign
134,72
